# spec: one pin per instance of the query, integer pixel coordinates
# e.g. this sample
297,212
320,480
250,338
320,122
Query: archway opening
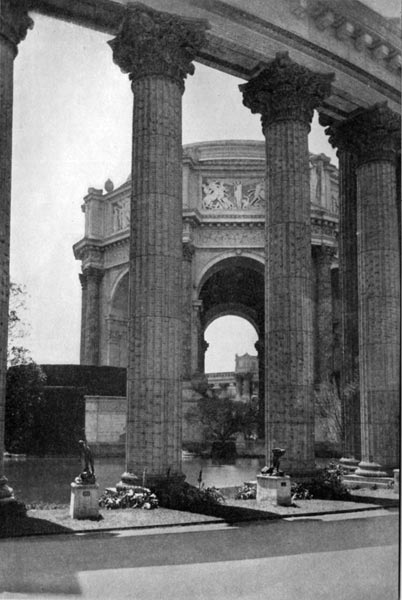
228,337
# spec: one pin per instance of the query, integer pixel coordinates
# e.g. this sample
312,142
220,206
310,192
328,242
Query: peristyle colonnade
157,49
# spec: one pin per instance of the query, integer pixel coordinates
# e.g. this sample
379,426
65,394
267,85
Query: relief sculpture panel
120,215
232,194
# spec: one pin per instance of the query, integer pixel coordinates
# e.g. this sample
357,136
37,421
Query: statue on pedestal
274,469
87,476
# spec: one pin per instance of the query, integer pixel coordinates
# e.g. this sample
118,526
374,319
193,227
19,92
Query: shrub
138,497
326,485
247,492
183,496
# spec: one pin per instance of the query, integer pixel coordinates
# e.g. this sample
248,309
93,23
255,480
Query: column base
370,469
150,481
349,465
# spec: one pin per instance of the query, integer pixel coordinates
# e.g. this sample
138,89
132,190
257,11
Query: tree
222,418
25,380
24,397
328,408
17,327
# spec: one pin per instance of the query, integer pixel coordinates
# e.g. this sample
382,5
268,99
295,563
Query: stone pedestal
275,489
84,503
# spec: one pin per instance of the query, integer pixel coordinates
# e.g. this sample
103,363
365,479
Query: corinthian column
373,135
286,94
157,50
14,22
93,277
83,281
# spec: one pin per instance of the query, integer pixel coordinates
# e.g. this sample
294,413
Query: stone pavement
342,556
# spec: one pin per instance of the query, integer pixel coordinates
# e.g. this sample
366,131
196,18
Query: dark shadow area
51,565
17,526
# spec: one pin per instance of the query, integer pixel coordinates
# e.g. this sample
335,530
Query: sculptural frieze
231,194
120,215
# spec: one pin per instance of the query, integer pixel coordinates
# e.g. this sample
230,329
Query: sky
72,130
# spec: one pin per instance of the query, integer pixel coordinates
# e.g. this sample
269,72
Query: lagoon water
48,479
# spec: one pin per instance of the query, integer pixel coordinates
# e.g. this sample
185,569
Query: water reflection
48,479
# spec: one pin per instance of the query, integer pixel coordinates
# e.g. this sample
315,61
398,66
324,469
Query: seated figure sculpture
274,469
87,475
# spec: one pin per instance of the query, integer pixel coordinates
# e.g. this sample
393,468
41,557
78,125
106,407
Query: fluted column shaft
156,49
347,249
14,22
93,277
289,304
286,94
83,281
155,353
379,310
373,136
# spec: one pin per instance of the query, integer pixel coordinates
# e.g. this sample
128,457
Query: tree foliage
24,397
17,328
222,418
25,380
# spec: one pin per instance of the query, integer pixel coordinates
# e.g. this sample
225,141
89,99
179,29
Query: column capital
151,42
284,90
14,21
188,251
371,134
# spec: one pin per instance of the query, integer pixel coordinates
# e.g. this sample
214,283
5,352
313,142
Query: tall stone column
373,135
93,277
260,347
83,281
286,94
157,50
347,253
14,23
349,307
187,309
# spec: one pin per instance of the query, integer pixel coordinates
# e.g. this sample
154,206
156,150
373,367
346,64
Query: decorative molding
120,214
229,194
284,90
93,274
329,16
150,42
371,134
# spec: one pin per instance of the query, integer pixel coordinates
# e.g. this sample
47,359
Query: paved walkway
333,557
